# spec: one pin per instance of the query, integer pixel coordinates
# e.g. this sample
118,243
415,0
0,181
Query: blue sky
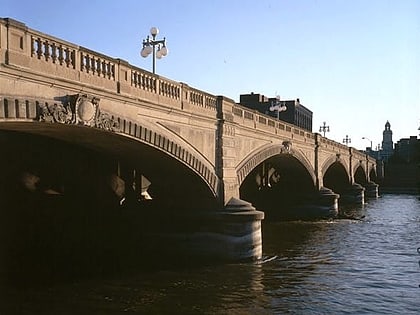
355,64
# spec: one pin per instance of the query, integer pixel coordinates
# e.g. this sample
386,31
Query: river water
343,266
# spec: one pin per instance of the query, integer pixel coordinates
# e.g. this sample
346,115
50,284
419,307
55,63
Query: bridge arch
334,160
335,174
360,175
170,147
63,117
280,183
359,169
255,159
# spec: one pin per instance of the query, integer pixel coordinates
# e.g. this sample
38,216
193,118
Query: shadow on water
51,241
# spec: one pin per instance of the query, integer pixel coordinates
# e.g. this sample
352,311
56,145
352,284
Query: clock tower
387,144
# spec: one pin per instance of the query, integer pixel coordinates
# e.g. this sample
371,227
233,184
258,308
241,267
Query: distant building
407,150
295,114
387,144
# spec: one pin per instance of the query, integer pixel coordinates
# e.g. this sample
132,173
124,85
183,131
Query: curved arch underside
250,163
83,110
68,151
360,175
336,177
277,185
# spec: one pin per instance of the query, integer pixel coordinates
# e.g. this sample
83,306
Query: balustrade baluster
98,66
33,44
54,52
143,83
100,71
67,58
147,83
107,71
135,79
86,61
46,50
39,50
103,68
60,54
92,64
111,68
82,62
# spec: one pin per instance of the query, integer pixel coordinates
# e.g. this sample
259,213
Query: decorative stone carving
286,147
55,113
86,110
79,109
104,121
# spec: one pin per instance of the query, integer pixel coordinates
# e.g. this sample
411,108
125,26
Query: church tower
387,144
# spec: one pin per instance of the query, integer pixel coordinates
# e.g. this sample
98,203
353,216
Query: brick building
295,112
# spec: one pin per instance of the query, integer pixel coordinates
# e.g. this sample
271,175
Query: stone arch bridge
72,113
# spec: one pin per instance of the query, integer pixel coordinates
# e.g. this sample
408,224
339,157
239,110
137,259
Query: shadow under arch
279,185
254,159
360,175
58,147
336,177
332,160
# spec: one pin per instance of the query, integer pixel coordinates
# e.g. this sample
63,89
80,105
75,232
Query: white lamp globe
164,51
143,52
154,31
148,49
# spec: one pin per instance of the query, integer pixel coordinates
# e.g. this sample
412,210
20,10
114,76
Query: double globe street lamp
149,46
347,140
324,128
277,106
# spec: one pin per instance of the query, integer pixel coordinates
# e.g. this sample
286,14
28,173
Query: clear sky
355,64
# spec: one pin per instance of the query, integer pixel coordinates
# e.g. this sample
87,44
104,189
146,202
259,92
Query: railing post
3,41
17,43
123,73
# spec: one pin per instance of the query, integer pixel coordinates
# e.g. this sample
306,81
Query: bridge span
91,131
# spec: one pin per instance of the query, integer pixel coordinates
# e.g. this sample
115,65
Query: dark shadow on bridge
336,178
360,176
70,209
279,186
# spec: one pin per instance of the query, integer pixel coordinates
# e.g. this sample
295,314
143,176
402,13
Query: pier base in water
324,204
230,234
355,194
371,190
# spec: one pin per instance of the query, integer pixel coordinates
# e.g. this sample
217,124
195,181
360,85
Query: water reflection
367,266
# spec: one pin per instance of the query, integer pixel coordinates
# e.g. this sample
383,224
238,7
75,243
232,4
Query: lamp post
365,138
278,106
149,46
347,140
324,128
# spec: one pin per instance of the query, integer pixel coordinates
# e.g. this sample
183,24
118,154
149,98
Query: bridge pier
327,201
323,204
371,190
227,235
354,194
232,234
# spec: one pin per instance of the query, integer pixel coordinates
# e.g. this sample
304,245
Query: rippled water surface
367,266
